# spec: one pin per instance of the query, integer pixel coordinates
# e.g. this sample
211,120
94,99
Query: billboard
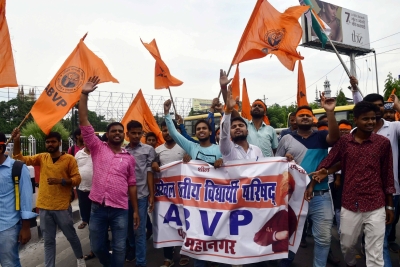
347,29
201,104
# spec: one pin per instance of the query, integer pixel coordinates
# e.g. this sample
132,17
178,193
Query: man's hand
167,106
16,134
214,102
328,104
354,83
155,167
151,203
282,235
308,194
136,220
319,175
223,79
337,184
24,235
54,181
219,108
218,163
91,85
179,119
230,102
389,216
396,103
289,157
186,158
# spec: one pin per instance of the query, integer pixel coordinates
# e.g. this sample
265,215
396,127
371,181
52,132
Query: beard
239,138
204,139
304,127
115,143
256,115
51,150
169,141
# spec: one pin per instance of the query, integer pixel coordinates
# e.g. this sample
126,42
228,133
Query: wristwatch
63,182
389,208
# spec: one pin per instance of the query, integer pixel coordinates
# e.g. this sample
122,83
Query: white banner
237,214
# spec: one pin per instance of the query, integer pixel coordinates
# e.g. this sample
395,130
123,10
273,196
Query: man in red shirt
367,200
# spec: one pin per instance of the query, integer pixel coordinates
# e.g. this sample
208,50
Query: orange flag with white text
246,107
140,111
8,77
271,32
64,90
236,84
162,76
301,87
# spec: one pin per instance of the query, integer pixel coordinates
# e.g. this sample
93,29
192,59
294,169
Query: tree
31,128
341,98
390,84
97,121
12,113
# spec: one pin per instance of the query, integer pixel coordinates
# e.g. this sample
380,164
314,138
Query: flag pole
19,126
334,48
229,70
173,104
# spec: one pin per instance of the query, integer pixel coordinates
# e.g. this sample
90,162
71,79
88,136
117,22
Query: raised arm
224,81
329,105
357,97
226,145
89,87
183,129
29,160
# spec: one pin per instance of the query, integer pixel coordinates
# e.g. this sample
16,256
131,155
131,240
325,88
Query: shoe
130,255
81,262
171,263
332,259
393,247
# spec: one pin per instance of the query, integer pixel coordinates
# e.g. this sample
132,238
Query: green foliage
278,115
13,112
341,98
97,121
31,128
390,84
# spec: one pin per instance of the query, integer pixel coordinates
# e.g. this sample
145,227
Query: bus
341,113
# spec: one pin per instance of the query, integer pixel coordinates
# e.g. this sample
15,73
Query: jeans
49,220
9,256
321,214
139,242
85,205
101,218
199,263
386,252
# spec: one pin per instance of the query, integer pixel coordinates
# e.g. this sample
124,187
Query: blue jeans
199,263
139,242
100,219
9,256
321,214
386,253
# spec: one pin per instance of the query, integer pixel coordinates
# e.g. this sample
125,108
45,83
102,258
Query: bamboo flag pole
229,70
173,104
19,126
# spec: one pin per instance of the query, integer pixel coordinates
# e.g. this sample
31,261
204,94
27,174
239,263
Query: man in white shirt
236,128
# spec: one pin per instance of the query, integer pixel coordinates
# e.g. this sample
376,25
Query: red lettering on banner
295,167
203,169
198,245
181,233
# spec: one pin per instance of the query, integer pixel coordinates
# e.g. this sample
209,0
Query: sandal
82,225
89,256
171,263
184,261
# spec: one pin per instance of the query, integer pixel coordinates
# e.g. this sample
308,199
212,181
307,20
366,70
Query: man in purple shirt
113,179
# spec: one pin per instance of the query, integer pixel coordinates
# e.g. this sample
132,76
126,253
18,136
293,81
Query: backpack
16,176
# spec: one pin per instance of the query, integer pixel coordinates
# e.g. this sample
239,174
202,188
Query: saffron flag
271,32
140,111
393,93
246,108
317,23
162,76
301,87
236,85
7,69
64,90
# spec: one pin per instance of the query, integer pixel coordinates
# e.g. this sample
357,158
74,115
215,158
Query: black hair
364,107
373,97
149,134
304,107
133,124
322,117
345,122
164,123
75,133
55,135
293,114
238,119
321,123
114,124
4,140
104,138
203,121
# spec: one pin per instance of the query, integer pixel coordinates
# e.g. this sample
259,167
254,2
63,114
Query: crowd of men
353,171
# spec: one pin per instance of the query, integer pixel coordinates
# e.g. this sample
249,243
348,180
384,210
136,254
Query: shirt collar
7,162
129,146
262,124
386,124
371,138
237,146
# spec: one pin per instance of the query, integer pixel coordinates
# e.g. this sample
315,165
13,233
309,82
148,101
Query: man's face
304,121
325,119
202,132
115,135
238,131
257,111
344,131
379,104
165,134
389,115
52,145
293,123
366,122
151,141
134,135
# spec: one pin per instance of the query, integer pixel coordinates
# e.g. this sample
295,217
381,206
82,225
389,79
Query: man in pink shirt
113,179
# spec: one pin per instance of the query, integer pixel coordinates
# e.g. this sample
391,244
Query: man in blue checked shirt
14,224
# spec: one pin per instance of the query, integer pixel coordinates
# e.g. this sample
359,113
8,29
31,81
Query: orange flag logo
64,90
8,77
301,87
271,32
140,111
246,108
236,85
162,77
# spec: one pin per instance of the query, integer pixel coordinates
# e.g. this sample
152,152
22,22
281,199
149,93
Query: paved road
33,256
